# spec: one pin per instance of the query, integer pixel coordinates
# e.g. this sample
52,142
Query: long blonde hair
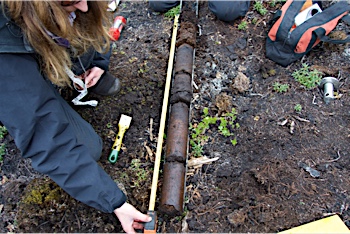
37,17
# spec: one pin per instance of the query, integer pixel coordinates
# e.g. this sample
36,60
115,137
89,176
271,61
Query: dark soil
257,185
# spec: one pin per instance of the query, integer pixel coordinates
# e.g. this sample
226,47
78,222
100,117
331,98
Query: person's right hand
130,218
92,76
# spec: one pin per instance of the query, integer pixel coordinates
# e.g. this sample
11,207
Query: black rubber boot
162,6
107,85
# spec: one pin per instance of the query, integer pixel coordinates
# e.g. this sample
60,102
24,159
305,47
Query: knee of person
162,6
229,10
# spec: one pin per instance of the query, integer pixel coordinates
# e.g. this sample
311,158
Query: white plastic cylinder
307,14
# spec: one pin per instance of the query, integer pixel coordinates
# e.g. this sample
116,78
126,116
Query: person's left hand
92,76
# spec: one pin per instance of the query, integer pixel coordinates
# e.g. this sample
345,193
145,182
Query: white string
83,92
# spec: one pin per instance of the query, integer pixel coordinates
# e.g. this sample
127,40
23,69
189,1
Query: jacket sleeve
32,112
101,60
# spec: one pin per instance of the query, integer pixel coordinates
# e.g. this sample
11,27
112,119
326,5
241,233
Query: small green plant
272,3
141,174
172,12
242,25
3,132
144,68
234,141
226,125
2,152
307,78
280,88
259,7
254,21
114,47
197,147
228,119
298,107
109,125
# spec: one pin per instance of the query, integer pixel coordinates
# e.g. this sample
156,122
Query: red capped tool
116,29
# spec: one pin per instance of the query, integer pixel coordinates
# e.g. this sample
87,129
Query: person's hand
130,218
92,76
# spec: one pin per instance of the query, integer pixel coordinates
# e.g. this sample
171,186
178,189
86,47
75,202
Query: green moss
34,197
54,195
38,194
265,75
272,72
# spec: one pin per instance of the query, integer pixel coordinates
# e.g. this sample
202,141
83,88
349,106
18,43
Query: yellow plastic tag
332,224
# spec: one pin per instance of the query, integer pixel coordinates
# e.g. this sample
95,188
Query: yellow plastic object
123,125
332,224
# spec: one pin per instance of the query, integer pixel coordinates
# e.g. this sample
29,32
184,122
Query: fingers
142,217
92,76
137,225
91,81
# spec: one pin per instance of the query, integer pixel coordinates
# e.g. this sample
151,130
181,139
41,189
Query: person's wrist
119,207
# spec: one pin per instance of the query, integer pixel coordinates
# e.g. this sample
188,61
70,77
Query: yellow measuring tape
151,227
163,116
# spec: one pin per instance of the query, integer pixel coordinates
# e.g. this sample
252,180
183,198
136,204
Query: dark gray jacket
43,125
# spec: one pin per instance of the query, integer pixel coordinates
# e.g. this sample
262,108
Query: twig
151,129
43,223
76,216
329,214
301,119
257,94
217,206
194,85
64,215
334,160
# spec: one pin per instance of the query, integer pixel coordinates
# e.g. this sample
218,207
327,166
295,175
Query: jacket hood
12,39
